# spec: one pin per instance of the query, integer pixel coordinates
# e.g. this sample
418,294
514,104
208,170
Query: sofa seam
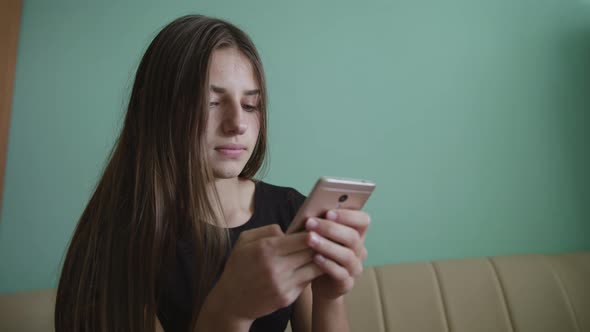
564,292
441,296
502,292
379,284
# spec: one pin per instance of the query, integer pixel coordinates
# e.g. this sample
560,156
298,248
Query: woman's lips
231,150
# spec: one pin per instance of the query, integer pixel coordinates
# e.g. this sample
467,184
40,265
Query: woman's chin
226,172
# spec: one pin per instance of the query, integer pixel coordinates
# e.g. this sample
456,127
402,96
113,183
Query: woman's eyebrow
217,89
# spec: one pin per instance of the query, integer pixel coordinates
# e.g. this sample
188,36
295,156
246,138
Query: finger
335,271
364,254
307,273
343,256
299,259
336,232
356,219
288,244
259,233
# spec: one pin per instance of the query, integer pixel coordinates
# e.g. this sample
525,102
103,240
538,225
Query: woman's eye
213,104
249,108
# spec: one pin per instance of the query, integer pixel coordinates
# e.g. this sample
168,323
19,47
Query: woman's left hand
338,242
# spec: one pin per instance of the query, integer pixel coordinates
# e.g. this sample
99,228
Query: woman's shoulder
277,192
277,204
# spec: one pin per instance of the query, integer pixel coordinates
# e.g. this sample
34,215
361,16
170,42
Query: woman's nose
234,123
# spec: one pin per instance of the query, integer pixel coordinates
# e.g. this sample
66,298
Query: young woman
178,235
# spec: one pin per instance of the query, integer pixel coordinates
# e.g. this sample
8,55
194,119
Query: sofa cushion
524,293
27,311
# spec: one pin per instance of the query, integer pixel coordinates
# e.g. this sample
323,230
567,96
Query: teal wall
472,117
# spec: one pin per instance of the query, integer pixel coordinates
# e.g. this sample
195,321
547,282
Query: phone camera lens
343,198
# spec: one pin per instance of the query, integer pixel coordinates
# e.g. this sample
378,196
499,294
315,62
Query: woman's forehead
231,70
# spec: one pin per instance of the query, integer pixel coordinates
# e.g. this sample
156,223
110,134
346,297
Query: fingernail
331,215
312,223
314,238
320,258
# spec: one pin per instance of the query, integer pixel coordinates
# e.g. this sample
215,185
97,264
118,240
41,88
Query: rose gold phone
332,193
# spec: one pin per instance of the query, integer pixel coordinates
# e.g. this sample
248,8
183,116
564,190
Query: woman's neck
237,199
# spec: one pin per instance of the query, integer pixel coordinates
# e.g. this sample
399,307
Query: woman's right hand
266,270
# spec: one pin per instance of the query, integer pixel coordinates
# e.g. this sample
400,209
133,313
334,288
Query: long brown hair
156,187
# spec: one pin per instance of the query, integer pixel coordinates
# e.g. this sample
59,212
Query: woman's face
234,117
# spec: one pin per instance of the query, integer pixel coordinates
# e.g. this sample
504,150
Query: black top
272,205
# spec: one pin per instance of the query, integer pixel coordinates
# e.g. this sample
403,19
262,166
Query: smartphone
332,193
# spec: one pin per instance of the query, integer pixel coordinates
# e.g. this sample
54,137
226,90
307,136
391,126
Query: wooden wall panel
10,14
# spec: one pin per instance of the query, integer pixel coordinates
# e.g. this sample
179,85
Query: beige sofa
524,293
